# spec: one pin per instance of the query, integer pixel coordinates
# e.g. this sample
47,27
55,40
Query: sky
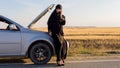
99,13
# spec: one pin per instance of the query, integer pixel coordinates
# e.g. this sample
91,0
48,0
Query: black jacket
55,23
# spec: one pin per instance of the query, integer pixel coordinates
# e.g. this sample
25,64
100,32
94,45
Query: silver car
15,40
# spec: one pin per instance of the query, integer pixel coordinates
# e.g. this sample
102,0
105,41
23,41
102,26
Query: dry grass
92,41
90,33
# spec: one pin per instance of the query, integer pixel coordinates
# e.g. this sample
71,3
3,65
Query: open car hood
41,15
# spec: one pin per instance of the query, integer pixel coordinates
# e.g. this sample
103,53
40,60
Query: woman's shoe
60,63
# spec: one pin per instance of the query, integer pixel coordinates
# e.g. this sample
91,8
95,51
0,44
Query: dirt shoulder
77,58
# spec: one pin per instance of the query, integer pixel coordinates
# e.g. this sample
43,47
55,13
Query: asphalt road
115,63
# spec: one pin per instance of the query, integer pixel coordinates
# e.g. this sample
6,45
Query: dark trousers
60,48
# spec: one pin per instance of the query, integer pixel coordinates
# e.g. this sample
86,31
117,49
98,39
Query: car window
3,25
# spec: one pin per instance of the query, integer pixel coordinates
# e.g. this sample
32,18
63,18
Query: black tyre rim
40,53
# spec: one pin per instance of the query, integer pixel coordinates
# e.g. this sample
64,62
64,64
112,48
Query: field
92,41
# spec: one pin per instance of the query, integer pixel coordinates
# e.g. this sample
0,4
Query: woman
55,29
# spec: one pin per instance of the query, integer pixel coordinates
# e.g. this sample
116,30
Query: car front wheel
40,53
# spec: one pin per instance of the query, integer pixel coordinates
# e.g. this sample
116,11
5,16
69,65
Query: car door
10,41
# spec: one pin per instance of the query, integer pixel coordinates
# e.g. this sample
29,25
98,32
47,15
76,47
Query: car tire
40,53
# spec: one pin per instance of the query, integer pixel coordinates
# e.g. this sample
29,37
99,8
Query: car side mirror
13,27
